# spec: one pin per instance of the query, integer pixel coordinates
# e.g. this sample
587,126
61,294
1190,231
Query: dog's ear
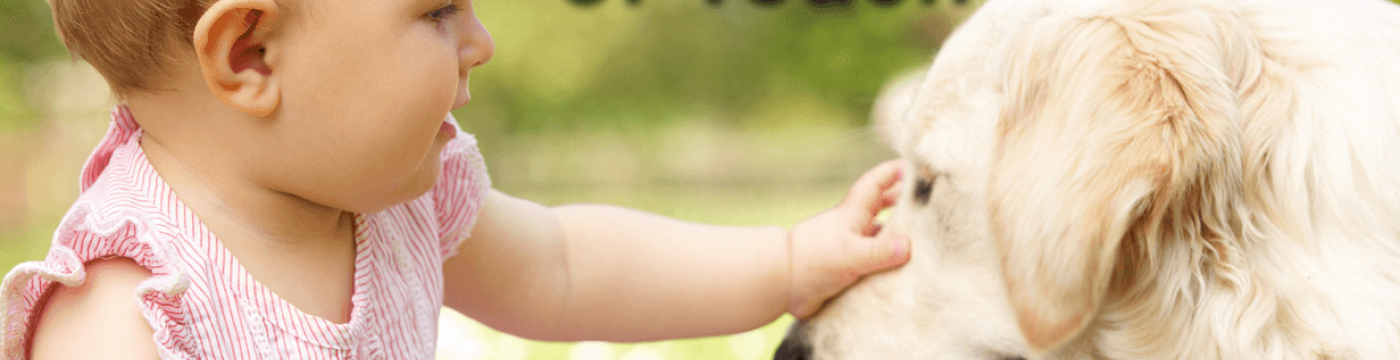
893,103
1116,129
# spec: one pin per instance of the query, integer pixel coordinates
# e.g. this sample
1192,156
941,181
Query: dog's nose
794,346
793,349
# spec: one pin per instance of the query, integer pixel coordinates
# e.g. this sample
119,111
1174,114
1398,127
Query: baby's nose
476,46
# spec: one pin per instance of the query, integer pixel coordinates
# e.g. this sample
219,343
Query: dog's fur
1145,179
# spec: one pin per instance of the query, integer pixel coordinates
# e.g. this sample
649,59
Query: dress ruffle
88,234
460,191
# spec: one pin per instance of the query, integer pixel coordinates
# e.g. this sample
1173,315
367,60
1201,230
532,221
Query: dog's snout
794,346
793,349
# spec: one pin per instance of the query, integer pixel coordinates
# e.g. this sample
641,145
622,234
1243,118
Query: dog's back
1323,127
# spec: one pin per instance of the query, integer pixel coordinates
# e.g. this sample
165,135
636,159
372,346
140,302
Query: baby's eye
443,13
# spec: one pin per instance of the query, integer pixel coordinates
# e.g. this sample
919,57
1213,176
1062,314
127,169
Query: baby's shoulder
115,243
102,257
92,311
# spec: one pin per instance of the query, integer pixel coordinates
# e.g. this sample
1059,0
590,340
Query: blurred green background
738,113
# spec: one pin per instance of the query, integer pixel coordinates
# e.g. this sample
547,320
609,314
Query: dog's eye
923,187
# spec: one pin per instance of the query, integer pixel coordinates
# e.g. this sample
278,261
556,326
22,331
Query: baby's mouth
464,95
446,130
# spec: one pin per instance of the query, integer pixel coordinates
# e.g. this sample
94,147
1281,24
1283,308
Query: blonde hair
127,41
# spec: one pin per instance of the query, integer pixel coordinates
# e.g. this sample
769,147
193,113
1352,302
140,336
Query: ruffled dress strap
460,191
112,217
122,130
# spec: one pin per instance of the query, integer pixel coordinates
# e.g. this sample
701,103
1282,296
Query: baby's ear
230,40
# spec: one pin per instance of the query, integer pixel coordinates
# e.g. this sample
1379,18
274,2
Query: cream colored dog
1138,179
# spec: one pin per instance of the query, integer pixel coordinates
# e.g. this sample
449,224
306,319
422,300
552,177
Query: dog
1142,179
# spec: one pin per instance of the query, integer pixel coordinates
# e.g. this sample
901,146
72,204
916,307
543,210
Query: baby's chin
422,181
407,189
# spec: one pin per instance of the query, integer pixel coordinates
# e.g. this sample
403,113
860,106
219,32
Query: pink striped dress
200,301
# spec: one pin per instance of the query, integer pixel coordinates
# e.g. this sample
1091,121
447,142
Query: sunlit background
742,112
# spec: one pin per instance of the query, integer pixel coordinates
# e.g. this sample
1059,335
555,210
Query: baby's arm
98,319
596,272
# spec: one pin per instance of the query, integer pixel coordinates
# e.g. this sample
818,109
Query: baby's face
366,86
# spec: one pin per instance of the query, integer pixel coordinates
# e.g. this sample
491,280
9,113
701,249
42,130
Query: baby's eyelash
444,13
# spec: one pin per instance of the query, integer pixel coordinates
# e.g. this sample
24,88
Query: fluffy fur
1138,179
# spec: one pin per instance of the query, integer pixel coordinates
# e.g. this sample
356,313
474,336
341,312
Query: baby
282,180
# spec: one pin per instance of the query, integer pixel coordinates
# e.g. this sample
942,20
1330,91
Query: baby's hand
830,251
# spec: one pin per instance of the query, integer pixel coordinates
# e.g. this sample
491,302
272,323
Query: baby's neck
209,181
300,250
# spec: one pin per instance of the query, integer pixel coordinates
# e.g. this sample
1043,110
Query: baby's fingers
888,250
871,226
869,191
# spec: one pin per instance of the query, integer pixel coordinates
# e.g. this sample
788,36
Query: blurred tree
26,37
610,64
26,32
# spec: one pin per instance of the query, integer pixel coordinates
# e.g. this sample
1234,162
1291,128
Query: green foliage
26,32
612,64
26,37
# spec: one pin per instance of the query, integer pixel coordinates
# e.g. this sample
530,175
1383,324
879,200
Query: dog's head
1076,168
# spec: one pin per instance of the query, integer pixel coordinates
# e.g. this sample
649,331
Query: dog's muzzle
794,346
